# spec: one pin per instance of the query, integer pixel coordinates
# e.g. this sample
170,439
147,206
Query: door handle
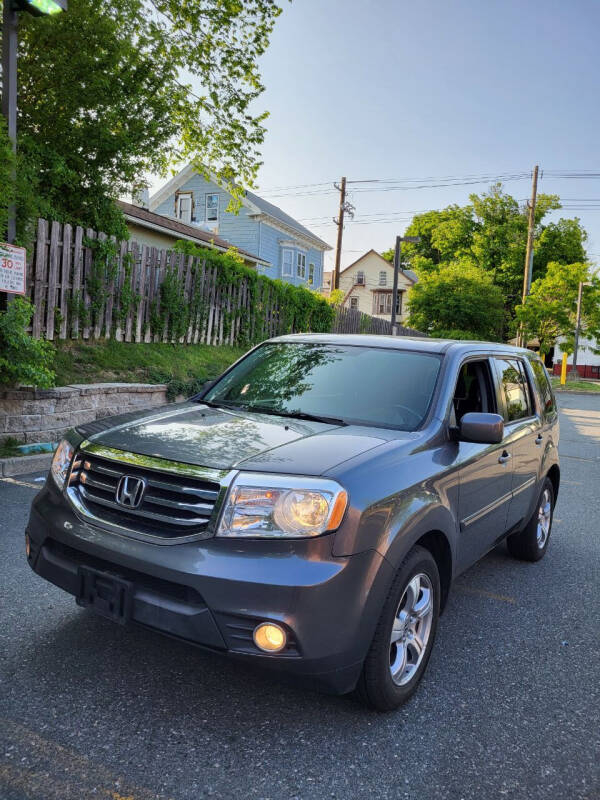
504,457
539,439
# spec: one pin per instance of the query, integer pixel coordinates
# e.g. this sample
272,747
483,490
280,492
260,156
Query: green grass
8,448
577,386
183,367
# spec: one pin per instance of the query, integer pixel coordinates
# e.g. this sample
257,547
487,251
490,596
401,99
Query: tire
377,687
531,543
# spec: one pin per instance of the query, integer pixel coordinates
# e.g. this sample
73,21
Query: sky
405,91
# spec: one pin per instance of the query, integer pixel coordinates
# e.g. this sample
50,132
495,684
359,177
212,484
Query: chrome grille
173,505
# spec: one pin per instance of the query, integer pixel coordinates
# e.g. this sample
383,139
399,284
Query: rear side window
515,389
544,386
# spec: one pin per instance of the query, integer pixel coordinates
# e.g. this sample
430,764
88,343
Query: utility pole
574,371
529,251
345,208
340,223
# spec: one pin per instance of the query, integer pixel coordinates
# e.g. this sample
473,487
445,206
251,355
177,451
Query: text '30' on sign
12,268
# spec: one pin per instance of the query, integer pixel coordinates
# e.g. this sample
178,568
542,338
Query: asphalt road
509,707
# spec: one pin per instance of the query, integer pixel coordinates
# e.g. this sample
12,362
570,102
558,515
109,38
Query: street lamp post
10,24
574,371
397,261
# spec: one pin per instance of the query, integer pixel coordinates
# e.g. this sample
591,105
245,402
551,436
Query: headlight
282,506
61,462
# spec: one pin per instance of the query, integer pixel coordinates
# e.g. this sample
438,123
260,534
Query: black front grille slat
172,506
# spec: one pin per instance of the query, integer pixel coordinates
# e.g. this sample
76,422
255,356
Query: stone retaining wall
43,415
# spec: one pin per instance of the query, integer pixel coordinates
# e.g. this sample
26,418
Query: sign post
13,261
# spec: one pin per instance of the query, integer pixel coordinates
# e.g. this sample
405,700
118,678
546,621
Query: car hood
193,433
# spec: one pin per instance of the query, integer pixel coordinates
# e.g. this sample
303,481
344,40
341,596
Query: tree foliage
550,310
490,233
105,97
23,359
459,301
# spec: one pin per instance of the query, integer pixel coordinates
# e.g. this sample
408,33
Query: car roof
417,343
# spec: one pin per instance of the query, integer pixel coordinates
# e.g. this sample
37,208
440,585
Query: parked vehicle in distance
310,508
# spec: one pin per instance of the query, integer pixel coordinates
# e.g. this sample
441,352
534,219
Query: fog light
27,546
269,637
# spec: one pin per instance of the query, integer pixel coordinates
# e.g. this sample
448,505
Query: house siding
239,229
371,264
247,232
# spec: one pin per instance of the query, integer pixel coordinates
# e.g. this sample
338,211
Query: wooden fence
68,305
350,320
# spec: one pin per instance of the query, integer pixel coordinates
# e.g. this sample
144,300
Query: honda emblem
130,491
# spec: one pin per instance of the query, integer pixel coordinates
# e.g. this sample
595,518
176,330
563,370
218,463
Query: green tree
459,301
550,310
105,96
491,233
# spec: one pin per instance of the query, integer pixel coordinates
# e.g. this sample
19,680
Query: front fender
394,525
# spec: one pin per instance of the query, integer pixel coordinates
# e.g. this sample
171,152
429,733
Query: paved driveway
509,707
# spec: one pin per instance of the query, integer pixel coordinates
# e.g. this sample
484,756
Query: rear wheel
404,635
531,543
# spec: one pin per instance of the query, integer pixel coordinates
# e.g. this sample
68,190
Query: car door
524,434
485,470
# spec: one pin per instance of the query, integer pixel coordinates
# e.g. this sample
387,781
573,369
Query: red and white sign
12,268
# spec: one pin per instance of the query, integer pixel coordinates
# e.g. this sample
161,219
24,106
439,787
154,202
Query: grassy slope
574,386
96,362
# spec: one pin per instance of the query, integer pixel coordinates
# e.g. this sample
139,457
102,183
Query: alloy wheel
544,519
411,629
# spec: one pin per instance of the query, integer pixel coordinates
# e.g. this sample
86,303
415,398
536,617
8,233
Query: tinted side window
544,386
514,388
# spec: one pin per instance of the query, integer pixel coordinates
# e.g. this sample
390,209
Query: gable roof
255,205
158,222
407,272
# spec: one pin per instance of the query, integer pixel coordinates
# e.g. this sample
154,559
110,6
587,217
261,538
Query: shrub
22,358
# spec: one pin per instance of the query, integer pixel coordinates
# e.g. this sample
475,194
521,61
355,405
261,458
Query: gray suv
309,510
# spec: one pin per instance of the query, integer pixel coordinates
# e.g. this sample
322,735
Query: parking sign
12,268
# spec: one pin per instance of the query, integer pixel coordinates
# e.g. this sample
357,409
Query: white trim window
354,303
183,206
287,261
212,207
311,274
383,303
301,265
360,278
383,278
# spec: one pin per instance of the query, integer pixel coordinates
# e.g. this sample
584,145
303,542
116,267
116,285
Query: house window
383,278
311,274
212,207
301,265
383,303
287,260
183,207
360,278
354,303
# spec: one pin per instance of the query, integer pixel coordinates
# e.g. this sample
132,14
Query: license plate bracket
106,594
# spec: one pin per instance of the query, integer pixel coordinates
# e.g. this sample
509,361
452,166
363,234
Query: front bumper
214,592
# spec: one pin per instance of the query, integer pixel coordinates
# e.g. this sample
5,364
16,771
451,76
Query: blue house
291,252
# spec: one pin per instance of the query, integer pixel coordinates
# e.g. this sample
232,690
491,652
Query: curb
21,465
576,392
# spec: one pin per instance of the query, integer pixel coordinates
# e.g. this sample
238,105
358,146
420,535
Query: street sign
42,7
12,268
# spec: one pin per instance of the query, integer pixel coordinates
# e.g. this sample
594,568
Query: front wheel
404,635
531,543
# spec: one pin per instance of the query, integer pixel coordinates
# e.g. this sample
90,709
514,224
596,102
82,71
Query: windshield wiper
295,414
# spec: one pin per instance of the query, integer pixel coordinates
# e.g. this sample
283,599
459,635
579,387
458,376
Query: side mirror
482,428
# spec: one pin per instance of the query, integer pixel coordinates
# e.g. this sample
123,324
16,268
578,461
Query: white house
368,285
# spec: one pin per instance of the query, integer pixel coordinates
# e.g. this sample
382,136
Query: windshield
361,385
